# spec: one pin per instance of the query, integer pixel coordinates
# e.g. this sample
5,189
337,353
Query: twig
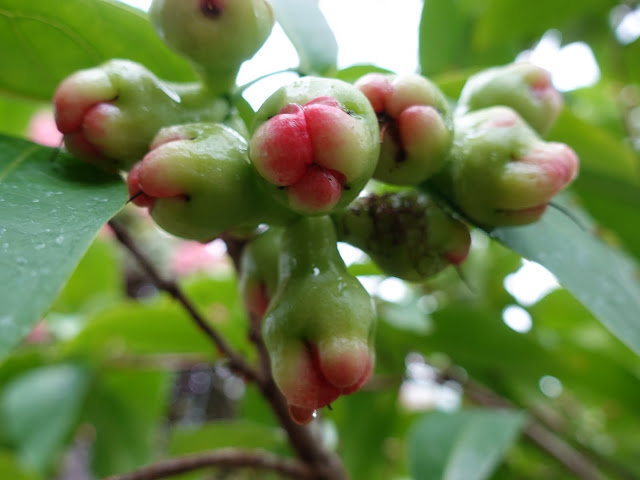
537,433
237,363
226,458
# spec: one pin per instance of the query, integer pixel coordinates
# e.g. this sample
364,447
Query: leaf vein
17,161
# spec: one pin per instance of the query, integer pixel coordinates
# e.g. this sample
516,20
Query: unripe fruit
258,272
216,35
110,114
197,182
501,172
319,325
406,233
416,125
315,143
524,87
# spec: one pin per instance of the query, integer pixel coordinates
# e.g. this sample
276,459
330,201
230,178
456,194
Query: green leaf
368,422
443,36
505,22
97,279
15,115
40,408
310,34
600,277
466,445
141,329
600,153
354,72
44,41
50,211
126,409
10,469
221,434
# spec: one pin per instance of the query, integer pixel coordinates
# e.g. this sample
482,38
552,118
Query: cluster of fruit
292,184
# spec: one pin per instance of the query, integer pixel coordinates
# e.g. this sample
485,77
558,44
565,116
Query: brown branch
536,432
237,363
225,458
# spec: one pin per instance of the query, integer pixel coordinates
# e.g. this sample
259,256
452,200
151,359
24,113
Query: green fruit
216,35
500,171
110,114
258,272
524,87
406,233
197,182
315,143
319,325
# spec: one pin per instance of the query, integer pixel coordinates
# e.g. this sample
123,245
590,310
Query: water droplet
35,200
60,239
316,271
40,246
21,261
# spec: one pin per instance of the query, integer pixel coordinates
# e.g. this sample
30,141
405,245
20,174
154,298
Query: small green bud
524,87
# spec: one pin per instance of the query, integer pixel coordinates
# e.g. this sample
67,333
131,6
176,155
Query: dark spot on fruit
211,8
400,156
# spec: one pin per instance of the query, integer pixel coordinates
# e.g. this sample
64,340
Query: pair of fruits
301,168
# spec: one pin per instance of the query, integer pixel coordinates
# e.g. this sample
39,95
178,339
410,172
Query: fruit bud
258,277
216,35
501,172
416,125
197,182
109,114
315,143
524,87
319,326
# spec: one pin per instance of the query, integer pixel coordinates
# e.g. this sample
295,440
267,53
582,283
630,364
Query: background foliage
114,375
